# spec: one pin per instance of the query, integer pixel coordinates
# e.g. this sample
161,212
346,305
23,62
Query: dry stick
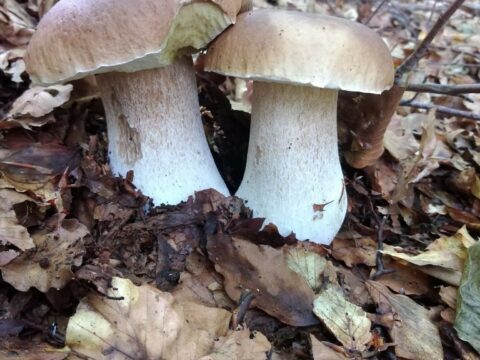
380,267
420,51
379,259
445,89
444,110
372,15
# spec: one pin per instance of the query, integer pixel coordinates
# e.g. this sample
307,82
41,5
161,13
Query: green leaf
467,322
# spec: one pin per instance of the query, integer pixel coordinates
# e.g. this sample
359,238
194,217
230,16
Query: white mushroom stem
293,176
154,129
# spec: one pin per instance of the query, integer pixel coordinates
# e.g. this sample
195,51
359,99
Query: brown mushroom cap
302,48
78,38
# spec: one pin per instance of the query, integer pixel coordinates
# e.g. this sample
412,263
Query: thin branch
443,110
412,60
372,15
379,257
445,89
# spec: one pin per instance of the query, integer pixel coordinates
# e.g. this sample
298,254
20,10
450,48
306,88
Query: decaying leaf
423,162
36,352
39,101
320,351
467,321
263,270
11,62
414,334
347,321
363,119
308,264
143,323
240,345
200,283
49,265
449,295
11,232
355,252
37,164
16,26
406,279
444,258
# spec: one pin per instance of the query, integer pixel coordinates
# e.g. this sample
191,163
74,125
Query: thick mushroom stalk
155,130
293,176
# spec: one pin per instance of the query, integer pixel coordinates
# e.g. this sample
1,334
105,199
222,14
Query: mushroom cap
82,37
303,49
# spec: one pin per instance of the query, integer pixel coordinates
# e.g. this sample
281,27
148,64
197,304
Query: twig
244,304
372,15
445,89
443,110
379,258
412,60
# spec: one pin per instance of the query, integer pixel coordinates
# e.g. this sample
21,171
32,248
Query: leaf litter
87,262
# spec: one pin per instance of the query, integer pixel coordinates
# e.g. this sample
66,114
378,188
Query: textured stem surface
154,129
293,176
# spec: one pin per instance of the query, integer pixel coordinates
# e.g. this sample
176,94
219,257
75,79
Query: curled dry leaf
49,265
414,334
444,258
240,345
347,321
142,322
11,232
263,270
39,101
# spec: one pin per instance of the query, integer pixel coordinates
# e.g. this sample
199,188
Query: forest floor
85,258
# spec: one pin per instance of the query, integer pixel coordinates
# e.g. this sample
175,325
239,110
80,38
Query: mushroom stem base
154,129
293,176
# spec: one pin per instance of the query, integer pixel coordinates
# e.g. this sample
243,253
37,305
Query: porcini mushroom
298,62
135,48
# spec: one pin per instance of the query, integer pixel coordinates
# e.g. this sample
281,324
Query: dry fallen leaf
37,164
355,252
39,101
11,232
312,266
49,265
347,321
414,334
11,63
448,294
36,352
363,120
443,258
263,270
320,351
16,26
240,345
142,322
406,279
